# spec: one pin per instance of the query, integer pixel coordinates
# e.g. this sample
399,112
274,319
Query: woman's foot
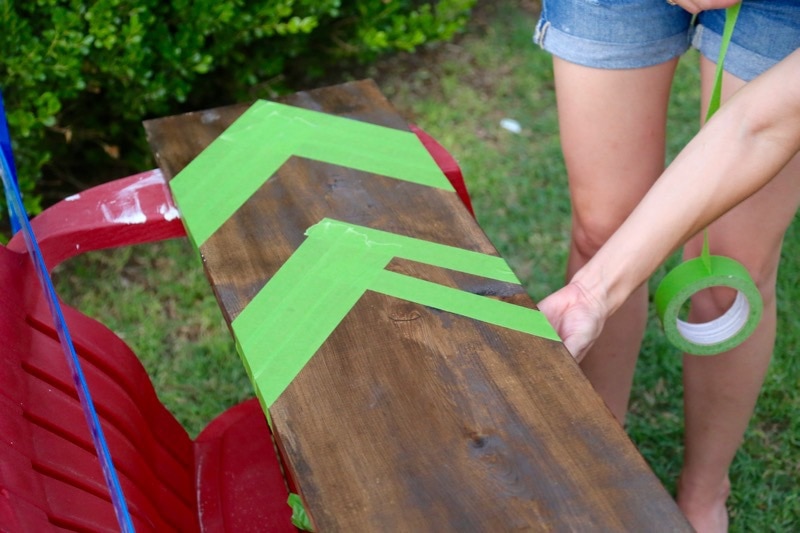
705,509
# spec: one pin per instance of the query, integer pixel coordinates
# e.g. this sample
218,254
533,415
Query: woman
613,62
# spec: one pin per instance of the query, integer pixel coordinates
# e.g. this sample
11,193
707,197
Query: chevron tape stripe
296,311
232,168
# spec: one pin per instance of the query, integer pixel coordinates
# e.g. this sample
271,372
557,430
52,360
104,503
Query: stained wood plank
409,418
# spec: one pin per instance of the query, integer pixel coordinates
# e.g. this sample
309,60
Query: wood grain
409,418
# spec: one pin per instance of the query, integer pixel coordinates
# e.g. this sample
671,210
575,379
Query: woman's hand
577,317
696,6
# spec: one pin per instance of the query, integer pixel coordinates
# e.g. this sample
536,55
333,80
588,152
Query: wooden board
407,417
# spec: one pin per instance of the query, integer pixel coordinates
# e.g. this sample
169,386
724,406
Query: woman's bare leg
720,391
612,125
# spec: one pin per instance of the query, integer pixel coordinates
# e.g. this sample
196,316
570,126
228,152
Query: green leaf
299,515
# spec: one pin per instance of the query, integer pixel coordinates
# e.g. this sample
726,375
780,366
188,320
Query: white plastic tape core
720,328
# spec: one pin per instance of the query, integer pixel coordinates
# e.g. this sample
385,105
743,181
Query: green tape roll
720,334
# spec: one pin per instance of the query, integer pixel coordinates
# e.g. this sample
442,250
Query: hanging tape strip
18,214
706,271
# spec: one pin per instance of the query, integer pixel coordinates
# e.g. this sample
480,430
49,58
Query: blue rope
19,216
5,147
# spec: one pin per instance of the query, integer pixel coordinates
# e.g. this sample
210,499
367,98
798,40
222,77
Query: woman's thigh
614,61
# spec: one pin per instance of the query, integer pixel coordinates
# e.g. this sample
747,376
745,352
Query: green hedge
78,77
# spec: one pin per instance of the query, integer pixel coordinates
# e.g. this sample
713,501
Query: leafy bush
79,76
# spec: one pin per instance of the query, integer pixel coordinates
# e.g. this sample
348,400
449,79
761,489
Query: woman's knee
591,230
712,303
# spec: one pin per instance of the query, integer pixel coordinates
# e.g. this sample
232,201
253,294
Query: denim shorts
620,34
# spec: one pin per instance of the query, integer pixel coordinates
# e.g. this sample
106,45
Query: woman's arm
736,153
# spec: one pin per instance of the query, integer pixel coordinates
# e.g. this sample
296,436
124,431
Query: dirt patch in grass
419,72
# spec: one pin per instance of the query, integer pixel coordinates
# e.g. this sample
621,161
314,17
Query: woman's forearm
745,144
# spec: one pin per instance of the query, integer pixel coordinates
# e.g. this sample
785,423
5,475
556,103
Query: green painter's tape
718,335
292,316
296,311
463,303
695,275
390,245
731,14
232,168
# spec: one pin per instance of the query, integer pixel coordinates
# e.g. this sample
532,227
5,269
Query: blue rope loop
19,218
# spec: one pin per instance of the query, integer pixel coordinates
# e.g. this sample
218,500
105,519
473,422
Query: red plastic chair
228,479
447,163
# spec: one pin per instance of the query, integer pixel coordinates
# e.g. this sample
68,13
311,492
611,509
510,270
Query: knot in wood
404,313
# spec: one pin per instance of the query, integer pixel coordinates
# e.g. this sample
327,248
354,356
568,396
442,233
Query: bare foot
706,512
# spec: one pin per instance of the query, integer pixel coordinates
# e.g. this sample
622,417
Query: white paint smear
169,212
124,211
126,207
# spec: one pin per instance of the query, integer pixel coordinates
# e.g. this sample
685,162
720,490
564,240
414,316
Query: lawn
158,300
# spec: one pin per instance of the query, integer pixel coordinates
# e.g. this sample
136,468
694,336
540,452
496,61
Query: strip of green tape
232,168
731,14
296,311
464,303
292,316
393,245
723,333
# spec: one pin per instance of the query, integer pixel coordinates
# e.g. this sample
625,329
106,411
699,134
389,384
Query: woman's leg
720,391
612,125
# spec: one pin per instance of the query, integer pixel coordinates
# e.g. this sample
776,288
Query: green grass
157,299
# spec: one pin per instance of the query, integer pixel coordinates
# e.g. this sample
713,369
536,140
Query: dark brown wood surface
409,418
